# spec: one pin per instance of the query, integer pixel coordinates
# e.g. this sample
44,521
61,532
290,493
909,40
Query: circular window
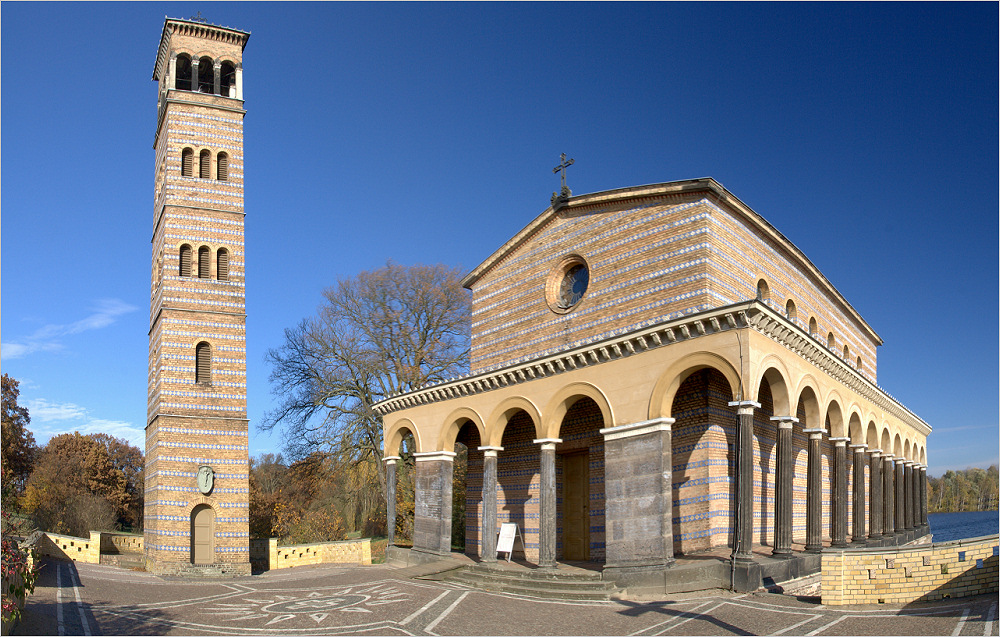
567,284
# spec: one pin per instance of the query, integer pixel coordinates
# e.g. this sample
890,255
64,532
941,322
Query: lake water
956,526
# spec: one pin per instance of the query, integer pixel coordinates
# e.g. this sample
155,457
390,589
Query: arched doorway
467,490
580,483
519,483
202,535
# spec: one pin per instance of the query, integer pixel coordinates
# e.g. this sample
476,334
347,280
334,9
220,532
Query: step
560,574
529,583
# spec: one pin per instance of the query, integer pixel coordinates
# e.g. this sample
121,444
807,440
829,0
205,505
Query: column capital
547,443
637,428
784,421
840,441
426,456
814,433
875,453
861,447
390,459
909,463
490,451
744,406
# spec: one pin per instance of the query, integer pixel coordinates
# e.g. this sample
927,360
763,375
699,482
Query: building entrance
576,506
202,535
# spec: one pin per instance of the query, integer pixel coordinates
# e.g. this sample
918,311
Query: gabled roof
715,192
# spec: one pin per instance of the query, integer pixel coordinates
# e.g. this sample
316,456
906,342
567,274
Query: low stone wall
343,552
68,547
120,542
910,573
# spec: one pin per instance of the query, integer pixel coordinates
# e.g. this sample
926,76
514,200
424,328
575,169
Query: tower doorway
576,506
202,535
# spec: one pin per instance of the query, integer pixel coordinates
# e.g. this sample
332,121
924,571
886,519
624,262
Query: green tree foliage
83,483
974,489
19,449
383,332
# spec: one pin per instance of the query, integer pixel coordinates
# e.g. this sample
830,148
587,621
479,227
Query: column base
814,548
746,576
839,545
639,579
782,554
859,543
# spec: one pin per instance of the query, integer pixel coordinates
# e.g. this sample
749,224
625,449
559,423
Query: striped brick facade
721,388
197,417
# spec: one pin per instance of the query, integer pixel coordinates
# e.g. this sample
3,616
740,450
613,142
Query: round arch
776,374
454,423
835,416
498,420
555,410
662,399
871,437
807,398
897,446
394,437
907,450
855,430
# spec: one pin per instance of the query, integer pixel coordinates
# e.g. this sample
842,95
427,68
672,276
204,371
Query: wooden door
576,507
202,535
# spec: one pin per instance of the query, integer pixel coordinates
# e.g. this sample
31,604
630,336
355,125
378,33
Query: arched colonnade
684,452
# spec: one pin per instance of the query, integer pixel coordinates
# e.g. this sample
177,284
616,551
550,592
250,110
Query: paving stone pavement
86,599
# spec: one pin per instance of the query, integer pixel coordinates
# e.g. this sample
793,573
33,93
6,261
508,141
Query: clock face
573,286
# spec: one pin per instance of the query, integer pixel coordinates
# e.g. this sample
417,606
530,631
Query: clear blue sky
866,133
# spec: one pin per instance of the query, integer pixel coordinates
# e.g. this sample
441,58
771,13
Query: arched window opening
763,292
185,260
222,267
183,71
858,366
205,165
222,167
847,353
790,310
187,162
206,75
203,363
227,83
830,342
204,264
812,326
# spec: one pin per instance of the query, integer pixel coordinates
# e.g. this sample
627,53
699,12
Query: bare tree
382,332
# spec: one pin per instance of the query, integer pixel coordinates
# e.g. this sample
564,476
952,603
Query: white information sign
505,541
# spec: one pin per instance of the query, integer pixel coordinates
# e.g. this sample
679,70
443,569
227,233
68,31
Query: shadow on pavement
636,609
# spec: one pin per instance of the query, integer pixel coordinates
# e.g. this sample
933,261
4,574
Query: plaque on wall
206,479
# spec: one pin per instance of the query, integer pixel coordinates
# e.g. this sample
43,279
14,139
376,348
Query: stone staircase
560,583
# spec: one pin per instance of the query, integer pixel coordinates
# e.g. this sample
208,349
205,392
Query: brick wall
909,574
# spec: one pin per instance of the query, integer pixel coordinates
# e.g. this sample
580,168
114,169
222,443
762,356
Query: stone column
390,497
432,502
900,498
814,492
915,472
743,549
173,72
923,497
875,514
488,545
888,497
908,494
194,74
239,82
838,538
638,500
547,503
858,496
217,82
783,489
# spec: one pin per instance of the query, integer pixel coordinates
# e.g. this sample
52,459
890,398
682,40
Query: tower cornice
198,29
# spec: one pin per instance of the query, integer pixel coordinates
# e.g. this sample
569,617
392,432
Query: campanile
197,462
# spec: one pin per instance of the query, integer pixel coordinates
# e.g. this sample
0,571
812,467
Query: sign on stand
505,541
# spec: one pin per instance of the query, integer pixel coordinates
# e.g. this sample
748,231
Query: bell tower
197,459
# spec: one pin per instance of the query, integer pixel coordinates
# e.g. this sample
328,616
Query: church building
197,462
658,372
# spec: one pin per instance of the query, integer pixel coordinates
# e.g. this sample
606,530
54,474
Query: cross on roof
563,165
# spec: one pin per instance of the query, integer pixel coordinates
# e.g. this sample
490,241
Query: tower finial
564,192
